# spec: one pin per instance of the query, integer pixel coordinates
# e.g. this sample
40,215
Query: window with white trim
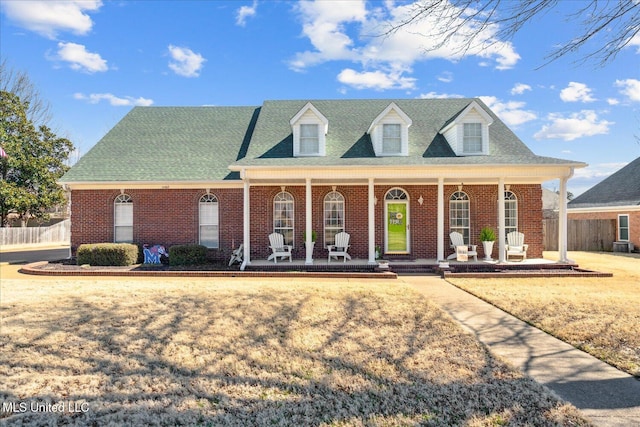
333,216
472,138
459,214
209,221
283,216
309,139
123,219
623,228
391,138
510,212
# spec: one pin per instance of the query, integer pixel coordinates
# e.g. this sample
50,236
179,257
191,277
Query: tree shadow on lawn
261,357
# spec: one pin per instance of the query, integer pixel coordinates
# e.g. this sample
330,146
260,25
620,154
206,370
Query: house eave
612,208
149,185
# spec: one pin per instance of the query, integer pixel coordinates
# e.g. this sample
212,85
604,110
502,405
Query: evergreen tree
33,161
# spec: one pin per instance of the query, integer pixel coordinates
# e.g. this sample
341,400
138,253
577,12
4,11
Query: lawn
251,352
598,315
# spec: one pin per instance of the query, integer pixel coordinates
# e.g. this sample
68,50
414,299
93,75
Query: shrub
107,254
187,255
487,235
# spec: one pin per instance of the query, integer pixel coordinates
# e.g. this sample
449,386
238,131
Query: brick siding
170,217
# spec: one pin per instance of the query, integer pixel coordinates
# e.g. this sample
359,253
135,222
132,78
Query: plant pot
488,248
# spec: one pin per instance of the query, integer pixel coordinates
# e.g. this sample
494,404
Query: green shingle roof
168,144
620,189
200,143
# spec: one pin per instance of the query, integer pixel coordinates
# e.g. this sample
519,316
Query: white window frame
123,219
620,228
472,138
306,139
460,215
284,216
333,216
392,115
209,221
396,139
510,212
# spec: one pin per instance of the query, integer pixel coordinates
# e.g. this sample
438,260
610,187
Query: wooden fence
54,234
582,234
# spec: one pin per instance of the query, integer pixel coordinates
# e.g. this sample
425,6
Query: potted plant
487,237
314,235
378,252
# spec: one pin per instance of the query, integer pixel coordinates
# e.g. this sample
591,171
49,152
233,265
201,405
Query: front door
397,222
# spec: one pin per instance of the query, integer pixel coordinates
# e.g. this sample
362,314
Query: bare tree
609,24
19,83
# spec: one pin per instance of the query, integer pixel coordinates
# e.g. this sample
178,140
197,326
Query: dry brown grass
234,352
598,315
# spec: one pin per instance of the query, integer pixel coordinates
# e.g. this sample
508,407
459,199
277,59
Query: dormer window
468,132
390,132
309,139
391,138
309,128
472,138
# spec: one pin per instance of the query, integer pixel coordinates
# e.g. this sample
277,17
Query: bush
108,254
187,255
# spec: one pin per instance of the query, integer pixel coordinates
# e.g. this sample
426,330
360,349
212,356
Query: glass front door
397,227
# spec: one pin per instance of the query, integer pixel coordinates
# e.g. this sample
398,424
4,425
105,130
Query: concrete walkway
607,396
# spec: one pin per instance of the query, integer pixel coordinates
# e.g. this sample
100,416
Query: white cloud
435,95
347,31
79,59
375,80
520,88
577,125
612,101
113,100
445,77
576,92
48,17
246,12
630,88
635,41
510,112
185,62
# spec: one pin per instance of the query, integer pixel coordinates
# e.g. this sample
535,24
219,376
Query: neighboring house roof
620,189
203,143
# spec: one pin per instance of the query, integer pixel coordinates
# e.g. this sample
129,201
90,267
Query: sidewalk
607,396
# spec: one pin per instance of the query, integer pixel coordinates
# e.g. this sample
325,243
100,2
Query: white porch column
308,218
562,220
372,223
246,224
501,226
440,245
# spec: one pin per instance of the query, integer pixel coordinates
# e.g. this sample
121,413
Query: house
616,198
395,174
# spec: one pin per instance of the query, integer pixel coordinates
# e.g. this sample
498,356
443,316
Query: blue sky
93,61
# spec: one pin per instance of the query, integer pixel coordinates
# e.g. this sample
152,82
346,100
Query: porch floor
531,267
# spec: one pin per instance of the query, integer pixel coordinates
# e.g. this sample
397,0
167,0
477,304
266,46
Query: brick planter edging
37,269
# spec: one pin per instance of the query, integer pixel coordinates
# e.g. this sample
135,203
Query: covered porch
374,206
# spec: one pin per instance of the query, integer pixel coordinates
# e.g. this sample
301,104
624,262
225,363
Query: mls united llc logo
37,406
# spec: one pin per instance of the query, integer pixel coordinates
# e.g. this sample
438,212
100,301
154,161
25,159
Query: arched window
510,212
209,221
396,194
333,216
283,216
459,214
123,219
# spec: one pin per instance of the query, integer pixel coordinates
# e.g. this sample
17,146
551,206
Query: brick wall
170,217
634,222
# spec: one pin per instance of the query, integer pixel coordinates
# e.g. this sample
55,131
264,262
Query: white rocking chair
515,245
237,255
340,247
278,247
458,245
